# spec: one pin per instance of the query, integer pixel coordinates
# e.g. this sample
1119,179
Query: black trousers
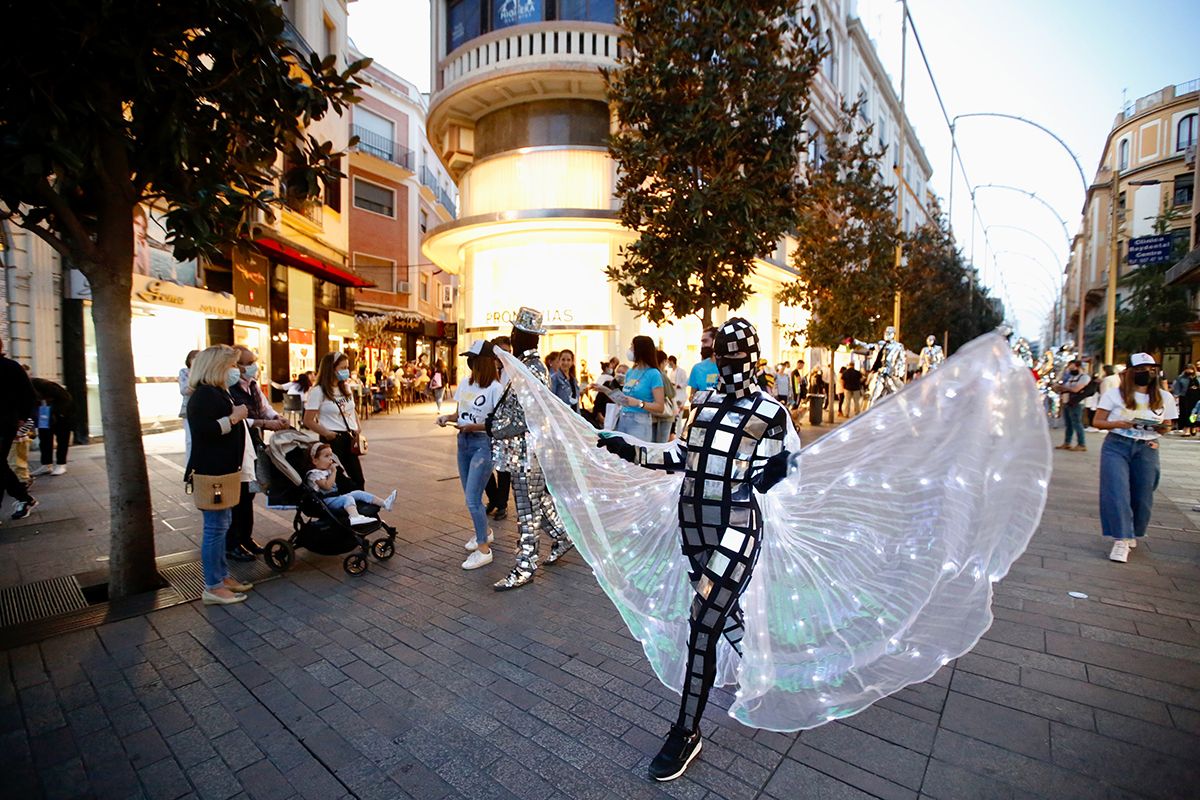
342,447
60,431
9,482
241,526
497,489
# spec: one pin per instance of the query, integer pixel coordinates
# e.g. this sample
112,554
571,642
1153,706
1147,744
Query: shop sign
550,316
250,284
1150,249
516,12
406,325
186,298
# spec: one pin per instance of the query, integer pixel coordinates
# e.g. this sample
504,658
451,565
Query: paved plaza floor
417,680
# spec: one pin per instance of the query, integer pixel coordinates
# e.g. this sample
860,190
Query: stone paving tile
416,680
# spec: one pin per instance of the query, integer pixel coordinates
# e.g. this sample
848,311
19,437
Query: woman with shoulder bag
221,459
329,412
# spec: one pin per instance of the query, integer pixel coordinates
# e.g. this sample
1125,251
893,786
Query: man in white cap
511,453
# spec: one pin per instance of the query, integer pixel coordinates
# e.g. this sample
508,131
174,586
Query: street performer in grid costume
511,453
734,445
816,580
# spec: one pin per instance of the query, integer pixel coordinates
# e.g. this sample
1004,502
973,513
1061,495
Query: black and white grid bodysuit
733,444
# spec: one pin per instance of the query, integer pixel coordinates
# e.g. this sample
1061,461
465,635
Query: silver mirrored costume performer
511,453
873,559
1023,352
931,356
732,448
887,364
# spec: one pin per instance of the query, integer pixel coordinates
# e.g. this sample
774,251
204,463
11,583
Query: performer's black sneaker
513,580
676,754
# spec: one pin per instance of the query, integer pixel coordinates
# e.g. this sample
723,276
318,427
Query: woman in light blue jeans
212,548
643,393
476,399
1136,414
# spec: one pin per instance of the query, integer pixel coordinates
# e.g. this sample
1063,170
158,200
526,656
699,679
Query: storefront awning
311,264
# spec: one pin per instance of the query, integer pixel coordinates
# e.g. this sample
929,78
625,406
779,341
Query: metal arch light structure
1032,196
1074,158
1047,245
1054,281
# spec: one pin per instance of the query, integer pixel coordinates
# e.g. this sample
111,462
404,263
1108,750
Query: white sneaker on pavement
1132,542
59,469
1120,551
477,560
471,544
44,469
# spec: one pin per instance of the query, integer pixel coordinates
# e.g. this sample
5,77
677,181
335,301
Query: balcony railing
1188,87
291,35
429,179
381,147
589,42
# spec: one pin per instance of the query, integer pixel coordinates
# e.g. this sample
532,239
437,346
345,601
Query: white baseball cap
1142,360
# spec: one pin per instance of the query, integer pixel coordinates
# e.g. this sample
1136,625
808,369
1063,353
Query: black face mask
706,352
1075,372
1142,378
737,375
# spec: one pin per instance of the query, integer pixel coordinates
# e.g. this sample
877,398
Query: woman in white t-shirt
476,399
1136,413
329,411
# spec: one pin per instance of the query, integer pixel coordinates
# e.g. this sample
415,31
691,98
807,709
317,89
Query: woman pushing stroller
322,479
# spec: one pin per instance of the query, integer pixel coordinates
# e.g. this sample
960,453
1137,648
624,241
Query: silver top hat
529,320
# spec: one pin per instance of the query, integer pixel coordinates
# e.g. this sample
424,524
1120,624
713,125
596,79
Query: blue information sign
1149,249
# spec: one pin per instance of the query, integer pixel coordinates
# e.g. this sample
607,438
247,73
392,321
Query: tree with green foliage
940,292
845,237
106,105
710,100
1154,315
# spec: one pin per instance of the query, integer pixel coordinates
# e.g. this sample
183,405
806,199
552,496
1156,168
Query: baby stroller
316,527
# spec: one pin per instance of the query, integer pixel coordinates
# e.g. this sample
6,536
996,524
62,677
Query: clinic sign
1149,249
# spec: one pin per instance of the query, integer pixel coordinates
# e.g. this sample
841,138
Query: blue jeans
1073,415
1128,477
338,501
212,547
635,423
474,469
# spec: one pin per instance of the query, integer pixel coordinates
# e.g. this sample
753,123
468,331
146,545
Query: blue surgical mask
232,377
251,371
343,374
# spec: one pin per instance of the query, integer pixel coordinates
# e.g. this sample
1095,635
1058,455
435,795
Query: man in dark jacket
54,425
17,402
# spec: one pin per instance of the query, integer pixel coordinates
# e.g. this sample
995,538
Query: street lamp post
1114,263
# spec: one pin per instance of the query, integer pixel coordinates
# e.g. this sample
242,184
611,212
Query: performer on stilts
511,453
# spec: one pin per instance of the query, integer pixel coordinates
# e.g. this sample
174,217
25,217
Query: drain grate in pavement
40,599
188,578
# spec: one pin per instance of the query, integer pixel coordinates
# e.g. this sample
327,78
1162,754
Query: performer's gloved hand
775,470
618,446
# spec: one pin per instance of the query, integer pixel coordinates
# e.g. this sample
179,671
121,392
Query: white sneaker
472,544
1132,543
44,469
1120,551
477,560
391,498
359,519
59,469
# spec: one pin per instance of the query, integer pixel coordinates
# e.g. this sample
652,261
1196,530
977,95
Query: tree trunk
131,545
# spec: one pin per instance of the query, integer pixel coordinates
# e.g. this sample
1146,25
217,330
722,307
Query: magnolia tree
710,100
105,106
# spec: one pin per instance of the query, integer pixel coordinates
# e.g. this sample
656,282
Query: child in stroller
320,526
322,479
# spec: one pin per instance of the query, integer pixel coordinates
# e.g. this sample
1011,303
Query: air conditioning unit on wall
402,287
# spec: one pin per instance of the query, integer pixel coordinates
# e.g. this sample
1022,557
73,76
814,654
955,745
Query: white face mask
251,371
629,356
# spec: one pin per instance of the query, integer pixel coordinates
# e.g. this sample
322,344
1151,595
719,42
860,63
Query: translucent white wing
879,553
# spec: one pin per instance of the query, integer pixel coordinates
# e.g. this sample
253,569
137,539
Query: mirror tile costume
931,356
511,453
887,364
817,582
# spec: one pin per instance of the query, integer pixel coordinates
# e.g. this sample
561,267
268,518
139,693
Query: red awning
322,269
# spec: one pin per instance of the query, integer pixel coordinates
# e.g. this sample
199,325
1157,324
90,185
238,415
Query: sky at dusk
1066,64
